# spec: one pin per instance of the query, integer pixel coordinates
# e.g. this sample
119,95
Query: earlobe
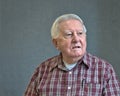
55,43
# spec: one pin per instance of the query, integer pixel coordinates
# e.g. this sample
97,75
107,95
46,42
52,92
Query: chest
80,82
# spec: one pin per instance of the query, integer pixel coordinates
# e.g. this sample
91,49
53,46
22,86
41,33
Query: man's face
71,40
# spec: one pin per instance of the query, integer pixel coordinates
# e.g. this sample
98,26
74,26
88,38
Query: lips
76,47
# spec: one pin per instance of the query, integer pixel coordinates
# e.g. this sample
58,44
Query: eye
68,34
80,33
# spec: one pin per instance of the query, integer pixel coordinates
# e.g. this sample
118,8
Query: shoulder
95,60
45,67
101,67
48,63
98,63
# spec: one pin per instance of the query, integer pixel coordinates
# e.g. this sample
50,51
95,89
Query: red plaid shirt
90,77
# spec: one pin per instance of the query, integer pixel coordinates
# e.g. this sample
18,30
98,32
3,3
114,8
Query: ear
55,43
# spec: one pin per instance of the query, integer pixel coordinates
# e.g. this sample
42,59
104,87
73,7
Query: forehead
71,24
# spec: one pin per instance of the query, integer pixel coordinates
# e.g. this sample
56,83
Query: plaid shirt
90,77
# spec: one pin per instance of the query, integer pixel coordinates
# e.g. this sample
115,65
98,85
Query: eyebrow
73,31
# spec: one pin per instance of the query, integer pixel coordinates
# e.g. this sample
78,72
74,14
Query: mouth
76,47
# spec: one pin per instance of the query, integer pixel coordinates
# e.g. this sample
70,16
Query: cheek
83,41
63,44
84,44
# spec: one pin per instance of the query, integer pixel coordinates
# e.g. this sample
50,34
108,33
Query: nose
75,38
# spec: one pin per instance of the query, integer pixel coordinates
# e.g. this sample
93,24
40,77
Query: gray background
25,36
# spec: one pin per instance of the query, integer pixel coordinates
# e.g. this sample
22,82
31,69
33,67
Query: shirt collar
59,63
87,59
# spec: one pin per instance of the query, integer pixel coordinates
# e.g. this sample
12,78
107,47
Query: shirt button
70,72
69,87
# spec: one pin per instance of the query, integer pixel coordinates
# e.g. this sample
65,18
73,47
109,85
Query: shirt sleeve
32,86
113,85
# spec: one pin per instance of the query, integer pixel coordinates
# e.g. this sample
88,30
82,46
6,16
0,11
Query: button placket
69,83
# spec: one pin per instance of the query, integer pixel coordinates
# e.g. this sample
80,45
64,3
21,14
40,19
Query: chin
77,55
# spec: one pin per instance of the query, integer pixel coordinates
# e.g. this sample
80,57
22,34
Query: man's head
69,37
55,27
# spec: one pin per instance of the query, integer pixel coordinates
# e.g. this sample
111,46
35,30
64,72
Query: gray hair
55,27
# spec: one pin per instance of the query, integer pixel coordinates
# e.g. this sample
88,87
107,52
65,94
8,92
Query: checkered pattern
91,76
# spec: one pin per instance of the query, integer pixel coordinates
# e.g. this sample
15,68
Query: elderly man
74,72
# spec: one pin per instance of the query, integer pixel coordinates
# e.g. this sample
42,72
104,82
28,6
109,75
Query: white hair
55,27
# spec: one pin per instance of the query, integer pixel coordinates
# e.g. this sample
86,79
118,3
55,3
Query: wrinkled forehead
71,24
